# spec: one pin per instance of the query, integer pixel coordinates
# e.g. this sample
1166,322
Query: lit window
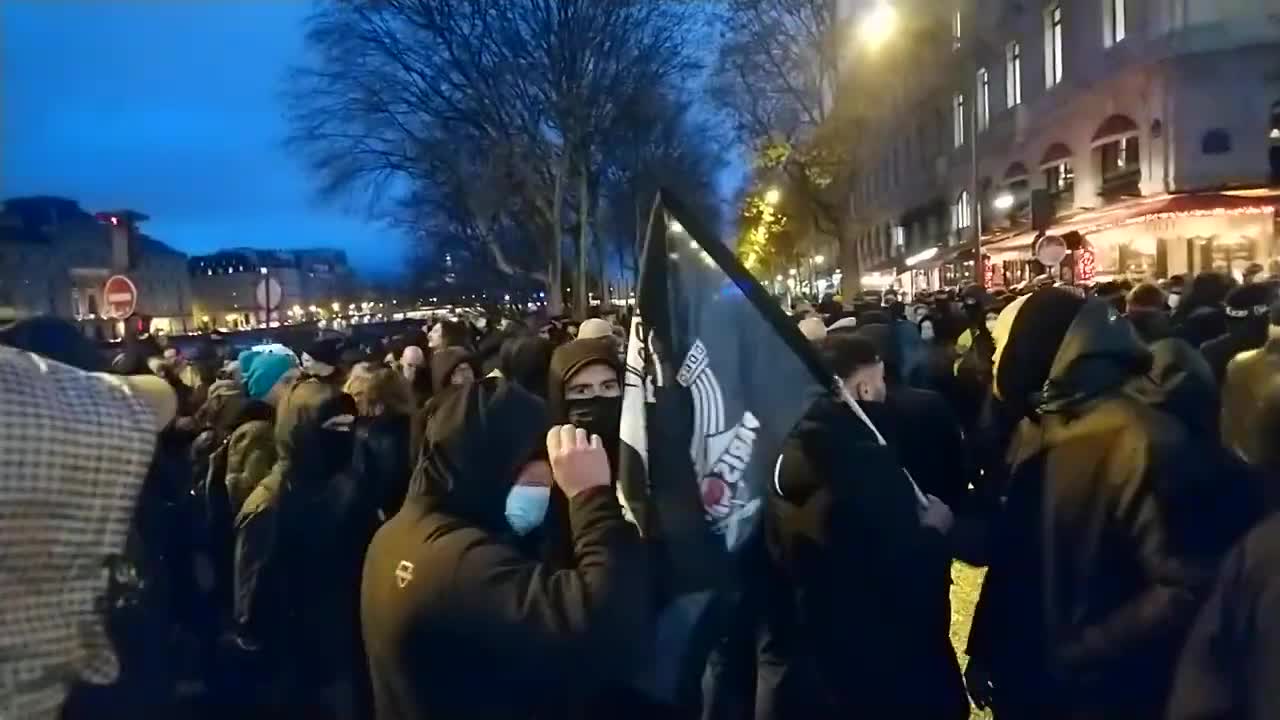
1060,178
984,98
962,211
1113,21
1013,73
957,120
1053,45
955,31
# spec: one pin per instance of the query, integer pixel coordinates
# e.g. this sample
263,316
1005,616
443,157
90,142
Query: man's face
594,380
867,384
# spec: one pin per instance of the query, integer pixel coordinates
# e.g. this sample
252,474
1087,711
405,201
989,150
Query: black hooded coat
458,620
862,622
1086,600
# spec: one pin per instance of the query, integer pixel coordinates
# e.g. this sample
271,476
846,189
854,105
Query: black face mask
598,415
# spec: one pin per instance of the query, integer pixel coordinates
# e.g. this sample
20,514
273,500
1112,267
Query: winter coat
458,621
866,620
383,459
1218,497
1085,601
1152,325
300,541
1201,324
928,440
1247,375
1230,666
1222,350
251,453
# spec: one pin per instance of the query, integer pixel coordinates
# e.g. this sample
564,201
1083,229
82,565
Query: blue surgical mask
527,507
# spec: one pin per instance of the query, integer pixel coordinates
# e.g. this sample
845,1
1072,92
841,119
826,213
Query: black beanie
1027,355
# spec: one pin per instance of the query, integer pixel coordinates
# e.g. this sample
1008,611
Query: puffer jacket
251,453
1247,374
1087,600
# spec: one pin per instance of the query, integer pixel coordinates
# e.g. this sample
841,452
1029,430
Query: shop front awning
1141,210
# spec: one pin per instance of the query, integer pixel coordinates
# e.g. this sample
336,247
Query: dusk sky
172,109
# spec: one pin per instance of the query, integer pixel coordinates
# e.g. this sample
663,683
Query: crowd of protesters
424,527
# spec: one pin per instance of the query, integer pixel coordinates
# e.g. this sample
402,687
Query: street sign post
268,294
120,297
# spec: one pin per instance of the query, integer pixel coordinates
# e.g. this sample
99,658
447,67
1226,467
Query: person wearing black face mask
300,541
1248,311
585,389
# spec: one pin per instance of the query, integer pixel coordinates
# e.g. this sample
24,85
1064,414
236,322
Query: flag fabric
716,378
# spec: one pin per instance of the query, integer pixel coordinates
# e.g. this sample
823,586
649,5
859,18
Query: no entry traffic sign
120,297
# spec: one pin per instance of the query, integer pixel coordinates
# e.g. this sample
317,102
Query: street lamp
772,196
1003,201
879,25
820,259
793,272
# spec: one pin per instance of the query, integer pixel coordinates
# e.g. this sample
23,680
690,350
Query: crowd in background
423,526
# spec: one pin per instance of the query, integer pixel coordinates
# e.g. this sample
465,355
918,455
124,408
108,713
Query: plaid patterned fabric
74,450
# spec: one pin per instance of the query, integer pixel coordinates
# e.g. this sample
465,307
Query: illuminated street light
1003,201
337,306
819,259
879,25
794,271
772,196
778,279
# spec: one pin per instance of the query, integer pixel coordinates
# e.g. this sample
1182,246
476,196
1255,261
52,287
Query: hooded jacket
879,634
458,621
525,361
1229,667
443,363
1085,601
1247,375
300,538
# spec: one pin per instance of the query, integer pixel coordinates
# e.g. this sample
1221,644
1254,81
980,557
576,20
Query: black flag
717,376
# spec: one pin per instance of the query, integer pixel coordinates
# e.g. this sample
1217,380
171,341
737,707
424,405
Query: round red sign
120,297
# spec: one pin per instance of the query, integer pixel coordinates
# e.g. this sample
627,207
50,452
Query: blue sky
172,109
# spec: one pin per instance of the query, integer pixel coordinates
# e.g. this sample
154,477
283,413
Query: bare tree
779,77
494,108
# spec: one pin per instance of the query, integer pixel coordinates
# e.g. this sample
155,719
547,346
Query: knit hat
245,361
265,372
1028,335
322,357
594,328
1253,300
813,329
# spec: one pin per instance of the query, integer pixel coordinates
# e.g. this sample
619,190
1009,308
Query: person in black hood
300,539
585,388
1200,318
1085,600
1248,316
459,620
451,366
877,636
526,360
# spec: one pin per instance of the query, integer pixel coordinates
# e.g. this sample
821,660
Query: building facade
55,259
244,287
1151,128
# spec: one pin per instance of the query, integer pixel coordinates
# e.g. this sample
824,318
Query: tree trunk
555,293
581,298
